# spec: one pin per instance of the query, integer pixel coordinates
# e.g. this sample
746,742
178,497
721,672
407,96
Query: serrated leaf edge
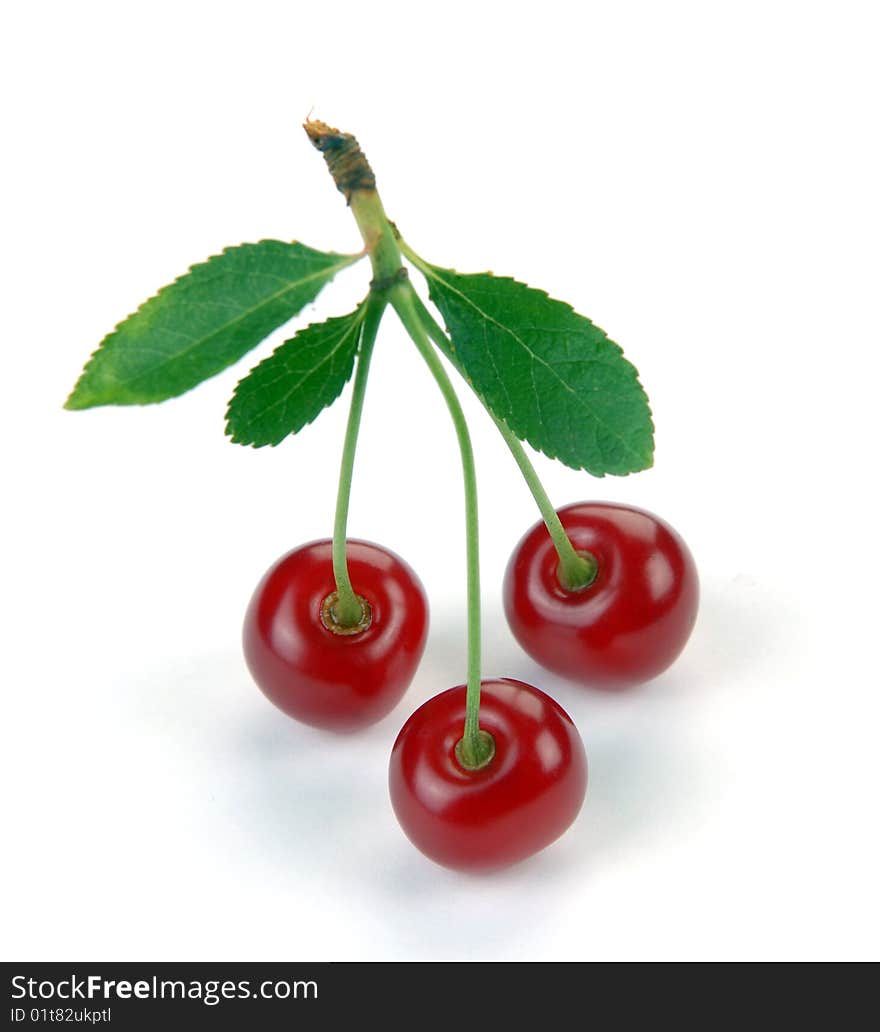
357,326
432,272
345,261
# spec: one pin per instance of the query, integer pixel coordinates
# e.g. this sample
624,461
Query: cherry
520,801
341,678
630,622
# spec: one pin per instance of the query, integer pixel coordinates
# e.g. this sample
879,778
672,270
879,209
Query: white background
701,180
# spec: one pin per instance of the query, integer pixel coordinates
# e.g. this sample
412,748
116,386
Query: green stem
576,569
348,609
355,180
476,747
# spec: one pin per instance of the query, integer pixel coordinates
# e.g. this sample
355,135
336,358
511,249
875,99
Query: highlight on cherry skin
341,679
630,622
522,800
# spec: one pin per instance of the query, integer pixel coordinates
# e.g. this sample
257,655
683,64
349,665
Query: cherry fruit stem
348,610
355,180
476,748
577,570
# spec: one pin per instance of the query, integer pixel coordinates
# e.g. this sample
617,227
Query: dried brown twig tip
345,159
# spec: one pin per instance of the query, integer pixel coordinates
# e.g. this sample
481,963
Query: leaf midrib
537,360
354,327
199,341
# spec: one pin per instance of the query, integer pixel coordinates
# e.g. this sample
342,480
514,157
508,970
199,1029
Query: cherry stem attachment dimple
348,608
577,570
476,747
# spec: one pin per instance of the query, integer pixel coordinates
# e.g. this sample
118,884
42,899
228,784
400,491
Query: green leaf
204,322
290,388
553,376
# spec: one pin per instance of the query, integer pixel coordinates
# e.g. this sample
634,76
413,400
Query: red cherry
340,681
521,801
625,627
